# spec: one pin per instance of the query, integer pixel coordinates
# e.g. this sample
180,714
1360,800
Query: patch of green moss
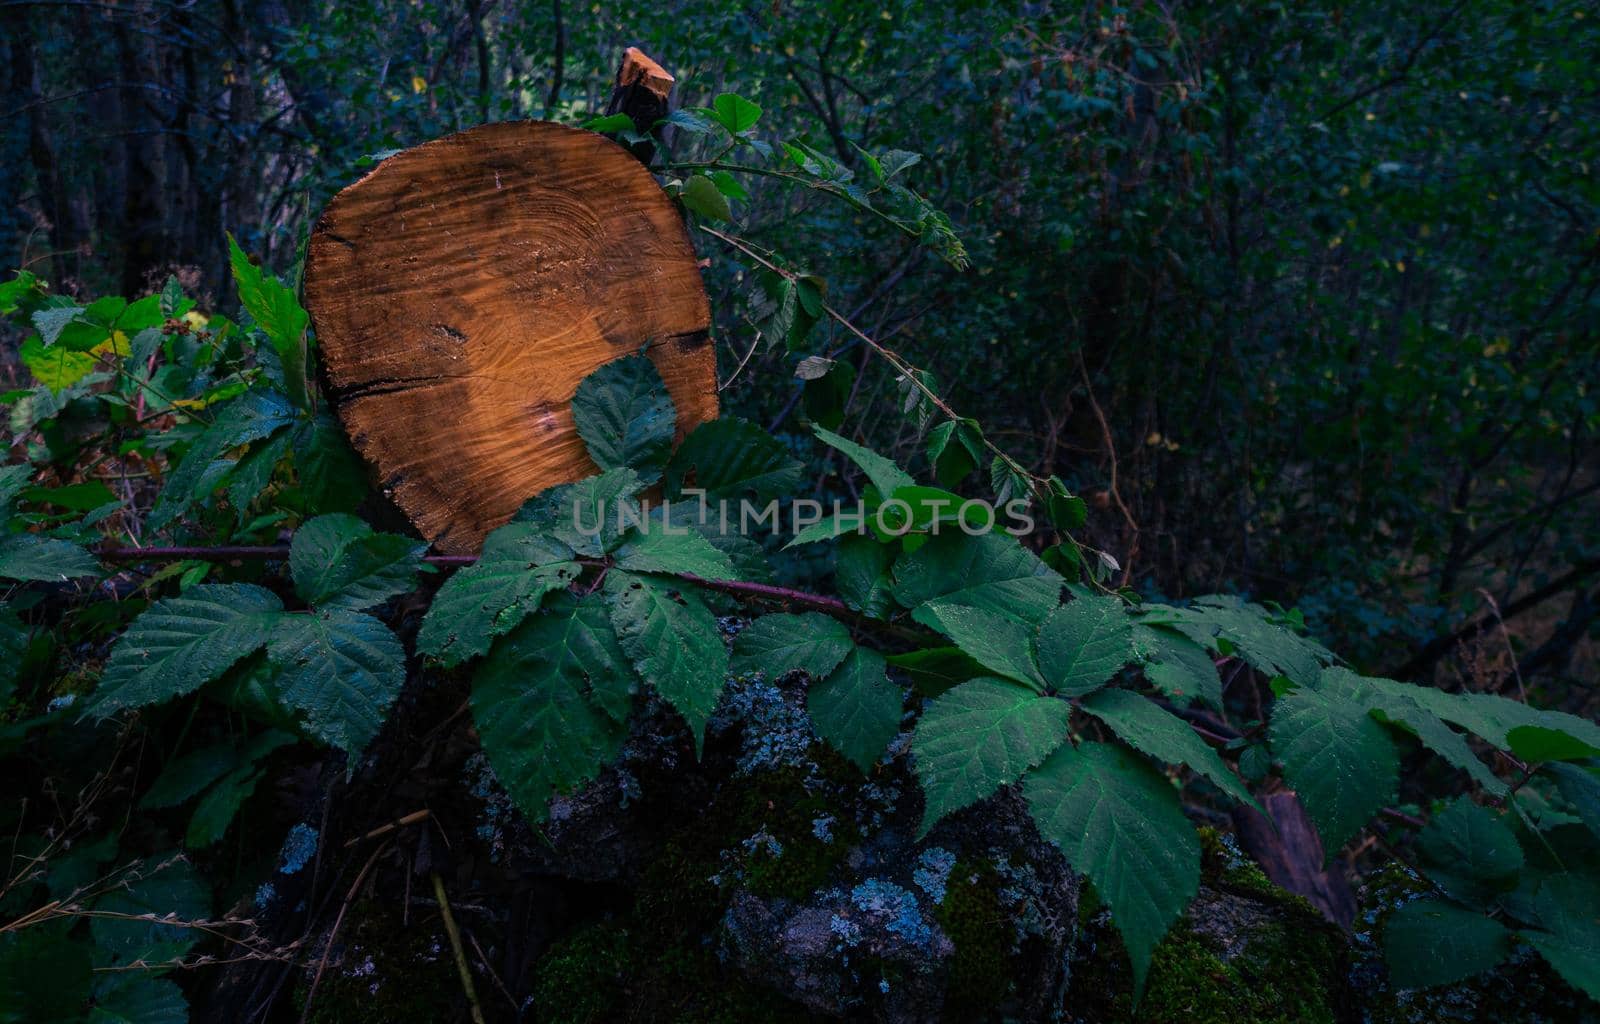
609,972
981,931
387,972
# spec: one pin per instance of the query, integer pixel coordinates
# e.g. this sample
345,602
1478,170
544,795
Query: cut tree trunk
463,289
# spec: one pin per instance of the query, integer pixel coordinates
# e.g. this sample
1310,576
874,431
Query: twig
327,947
455,945
1505,634
398,823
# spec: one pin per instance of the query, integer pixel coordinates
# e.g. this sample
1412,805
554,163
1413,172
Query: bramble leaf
1000,643
625,417
1144,726
340,561
518,567
688,552
980,736
778,644
1084,643
1117,820
856,708
673,642
1431,942
342,668
731,458
1336,757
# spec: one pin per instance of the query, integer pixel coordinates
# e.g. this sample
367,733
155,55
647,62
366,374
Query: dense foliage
1252,307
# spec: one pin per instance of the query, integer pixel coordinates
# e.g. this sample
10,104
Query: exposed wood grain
643,91
463,289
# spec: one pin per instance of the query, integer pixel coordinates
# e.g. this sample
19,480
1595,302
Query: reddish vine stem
280,552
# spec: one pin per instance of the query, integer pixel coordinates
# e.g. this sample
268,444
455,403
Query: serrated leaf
589,515
1490,717
252,473
28,556
778,644
161,888
861,575
1152,730
343,669
1177,666
1336,757
731,458
277,312
185,777
658,550
884,474
518,567
1084,643
625,417
254,416
1117,820
990,571
1267,646
980,736
1471,854
331,475
13,481
1431,942
1399,710
1580,787
137,998
56,367
338,561
673,642
181,643
1568,907
856,708
1536,744
1000,643
540,702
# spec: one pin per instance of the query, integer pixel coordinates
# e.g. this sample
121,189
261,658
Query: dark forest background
1302,297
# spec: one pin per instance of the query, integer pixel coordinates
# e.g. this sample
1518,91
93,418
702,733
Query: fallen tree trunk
463,289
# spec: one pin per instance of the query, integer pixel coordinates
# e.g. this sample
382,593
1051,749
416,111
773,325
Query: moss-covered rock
384,970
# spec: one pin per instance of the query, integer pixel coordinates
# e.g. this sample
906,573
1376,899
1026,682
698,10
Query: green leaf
1117,820
184,778
1339,760
1566,906
44,975
658,550
731,458
673,642
861,575
1431,942
535,702
13,481
980,736
776,645
934,670
589,515
135,998
1536,744
734,112
518,567
1177,666
1268,646
1493,718
217,809
1579,786
1084,643
833,525
279,315
701,195
954,450
856,708
1471,854
56,367
28,556
1152,730
610,123
254,416
181,643
340,561
343,669
1397,709
884,474
625,417
331,474
990,571
161,889
84,497
1000,643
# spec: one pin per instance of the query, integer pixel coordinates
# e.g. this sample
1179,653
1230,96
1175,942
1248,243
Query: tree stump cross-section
464,288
